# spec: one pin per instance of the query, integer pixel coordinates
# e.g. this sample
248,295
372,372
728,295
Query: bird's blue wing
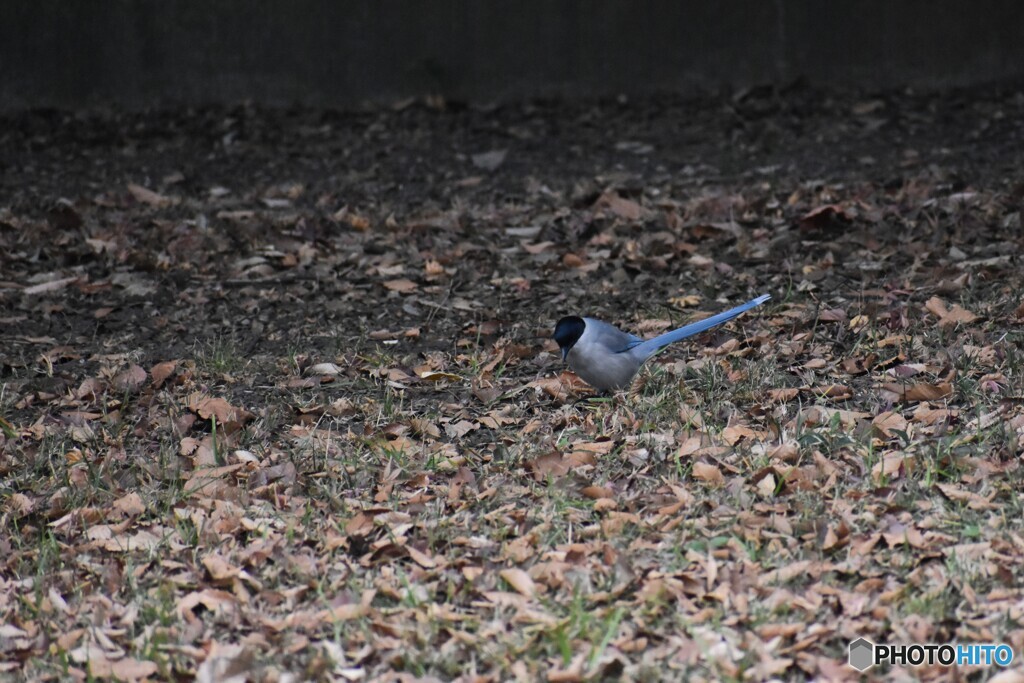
651,346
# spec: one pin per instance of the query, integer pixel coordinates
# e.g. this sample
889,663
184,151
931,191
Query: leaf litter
291,412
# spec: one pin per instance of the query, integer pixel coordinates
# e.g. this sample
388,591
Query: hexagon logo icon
862,654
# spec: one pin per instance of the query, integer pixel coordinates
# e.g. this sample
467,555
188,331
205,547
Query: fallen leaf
702,471
918,392
520,581
324,369
597,492
437,376
231,663
783,395
892,465
560,387
766,486
556,465
421,558
401,285
51,286
214,407
623,208
491,160
161,371
141,540
459,429
130,505
889,422
130,379
147,196
212,599
130,669
219,569
950,317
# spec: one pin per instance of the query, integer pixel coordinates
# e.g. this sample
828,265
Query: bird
607,358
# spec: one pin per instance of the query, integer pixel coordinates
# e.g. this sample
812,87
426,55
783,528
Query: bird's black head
567,332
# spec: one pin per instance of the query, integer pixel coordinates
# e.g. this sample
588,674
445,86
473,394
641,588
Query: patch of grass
219,355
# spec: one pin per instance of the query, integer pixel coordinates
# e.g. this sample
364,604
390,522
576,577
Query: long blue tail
648,348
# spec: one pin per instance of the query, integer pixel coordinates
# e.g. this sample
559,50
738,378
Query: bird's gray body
604,356
607,358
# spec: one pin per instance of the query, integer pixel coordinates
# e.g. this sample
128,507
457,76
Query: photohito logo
864,654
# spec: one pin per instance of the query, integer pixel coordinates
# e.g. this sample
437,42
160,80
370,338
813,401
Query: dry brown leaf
140,540
786,452
736,433
899,534
936,307
585,450
921,391
507,599
859,365
360,525
560,387
19,504
213,407
424,428
130,669
597,492
702,471
783,395
47,287
892,465
822,415
212,599
456,430
161,371
556,465
437,376
126,669
219,569
837,392
766,486
785,574
421,558
949,317
346,612
520,581
330,369
889,422
226,663
538,247
973,500
571,260
130,505
958,315
147,196
129,379
685,301
188,445
357,222
623,208
401,285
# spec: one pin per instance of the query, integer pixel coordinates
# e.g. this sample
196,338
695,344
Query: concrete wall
341,52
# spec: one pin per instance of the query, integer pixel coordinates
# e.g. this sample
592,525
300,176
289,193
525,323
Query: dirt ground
324,200
392,274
